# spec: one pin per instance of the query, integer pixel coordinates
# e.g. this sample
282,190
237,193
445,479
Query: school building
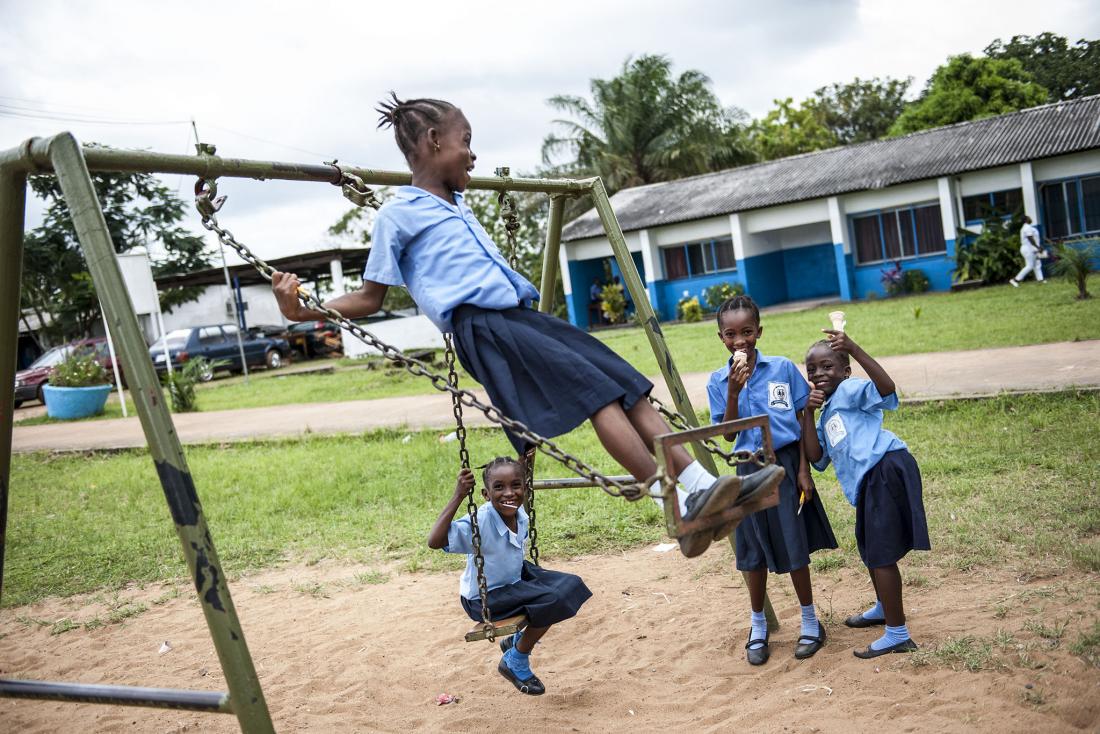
826,224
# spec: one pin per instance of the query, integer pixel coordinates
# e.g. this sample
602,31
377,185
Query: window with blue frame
979,207
1070,207
692,259
896,234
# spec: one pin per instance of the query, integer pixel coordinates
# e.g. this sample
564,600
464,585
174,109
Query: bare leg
800,579
530,636
757,582
648,423
888,586
622,441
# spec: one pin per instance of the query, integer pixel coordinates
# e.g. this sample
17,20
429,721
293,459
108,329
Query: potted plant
77,388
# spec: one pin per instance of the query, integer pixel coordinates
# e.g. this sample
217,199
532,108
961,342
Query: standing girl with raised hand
779,539
515,585
876,471
537,369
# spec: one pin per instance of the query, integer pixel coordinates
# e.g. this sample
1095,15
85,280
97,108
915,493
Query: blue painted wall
765,278
669,292
843,264
811,272
581,273
938,268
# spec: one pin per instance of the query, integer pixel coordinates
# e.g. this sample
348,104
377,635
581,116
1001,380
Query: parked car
29,382
314,338
217,343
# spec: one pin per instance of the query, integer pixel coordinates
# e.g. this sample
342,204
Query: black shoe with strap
813,643
758,655
858,621
870,652
531,686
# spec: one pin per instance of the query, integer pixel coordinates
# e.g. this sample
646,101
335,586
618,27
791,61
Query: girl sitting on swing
515,586
537,369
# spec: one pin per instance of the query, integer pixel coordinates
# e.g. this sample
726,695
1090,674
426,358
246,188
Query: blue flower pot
68,403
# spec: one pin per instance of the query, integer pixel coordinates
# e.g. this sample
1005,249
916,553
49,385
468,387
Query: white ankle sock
681,496
694,477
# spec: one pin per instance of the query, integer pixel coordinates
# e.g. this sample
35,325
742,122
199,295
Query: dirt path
918,376
659,647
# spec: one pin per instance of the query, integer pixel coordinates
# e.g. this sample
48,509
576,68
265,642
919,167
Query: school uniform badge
835,430
779,395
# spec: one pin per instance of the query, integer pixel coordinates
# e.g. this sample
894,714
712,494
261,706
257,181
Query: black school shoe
805,650
906,646
858,621
753,486
759,655
532,686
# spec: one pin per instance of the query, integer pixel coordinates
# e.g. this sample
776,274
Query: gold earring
437,147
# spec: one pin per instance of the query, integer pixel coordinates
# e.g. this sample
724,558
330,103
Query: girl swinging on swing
536,368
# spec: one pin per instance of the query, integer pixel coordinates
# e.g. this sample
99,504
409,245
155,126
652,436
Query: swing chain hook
353,187
207,200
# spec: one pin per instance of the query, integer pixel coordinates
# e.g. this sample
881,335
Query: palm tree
644,126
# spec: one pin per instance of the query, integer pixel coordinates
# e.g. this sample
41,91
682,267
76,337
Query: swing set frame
63,157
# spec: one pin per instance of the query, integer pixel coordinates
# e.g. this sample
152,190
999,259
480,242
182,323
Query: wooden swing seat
501,628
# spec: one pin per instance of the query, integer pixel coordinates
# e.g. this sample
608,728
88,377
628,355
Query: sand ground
659,646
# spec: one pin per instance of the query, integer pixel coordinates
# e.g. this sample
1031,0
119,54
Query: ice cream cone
837,317
740,357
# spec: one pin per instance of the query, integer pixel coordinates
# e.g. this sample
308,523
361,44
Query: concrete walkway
968,374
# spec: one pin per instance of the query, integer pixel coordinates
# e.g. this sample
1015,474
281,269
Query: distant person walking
1032,252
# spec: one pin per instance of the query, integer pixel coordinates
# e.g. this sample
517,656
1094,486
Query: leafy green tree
644,126
1065,71
862,109
790,129
968,88
140,211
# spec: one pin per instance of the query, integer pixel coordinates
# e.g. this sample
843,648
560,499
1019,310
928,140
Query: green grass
1007,480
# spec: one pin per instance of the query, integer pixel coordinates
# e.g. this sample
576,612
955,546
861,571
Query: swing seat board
501,628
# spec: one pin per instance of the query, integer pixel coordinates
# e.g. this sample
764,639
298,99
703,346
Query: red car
29,382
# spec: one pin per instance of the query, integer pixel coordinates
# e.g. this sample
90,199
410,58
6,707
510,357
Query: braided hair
841,357
739,303
499,461
411,118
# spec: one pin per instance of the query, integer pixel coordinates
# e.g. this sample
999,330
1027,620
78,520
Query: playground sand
659,646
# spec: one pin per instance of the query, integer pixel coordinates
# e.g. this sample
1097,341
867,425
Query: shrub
993,256
719,293
181,385
79,370
891,280
1075,262
690,310
613,303
914,281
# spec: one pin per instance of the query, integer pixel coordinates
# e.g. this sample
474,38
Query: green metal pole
644,311
550,253
246,696
13,197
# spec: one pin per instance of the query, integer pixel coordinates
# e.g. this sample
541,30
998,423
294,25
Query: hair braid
411,118
498,461
841,357
739,303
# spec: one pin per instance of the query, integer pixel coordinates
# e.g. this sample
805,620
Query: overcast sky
299,82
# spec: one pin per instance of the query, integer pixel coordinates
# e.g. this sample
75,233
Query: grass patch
1006,480
958,653
1087,645
371,578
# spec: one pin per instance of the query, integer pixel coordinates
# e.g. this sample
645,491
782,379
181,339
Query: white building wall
700,229
838,224
787,215
1077,164
902,195
210,308
593,247
991,179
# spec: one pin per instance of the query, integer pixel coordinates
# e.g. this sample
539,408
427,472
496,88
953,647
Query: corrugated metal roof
1038,132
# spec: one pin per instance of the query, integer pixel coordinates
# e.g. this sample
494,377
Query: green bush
1075,262
719,293
613,303
993,256
690,310
79,370
181,385
914,281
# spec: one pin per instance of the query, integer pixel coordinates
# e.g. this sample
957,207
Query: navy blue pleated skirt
890,518
541,370
546,597
780,538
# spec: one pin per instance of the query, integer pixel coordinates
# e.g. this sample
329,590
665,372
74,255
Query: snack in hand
837,317
740,357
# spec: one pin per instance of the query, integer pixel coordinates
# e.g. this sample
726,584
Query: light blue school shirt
851,435
500,547
775,388
443,256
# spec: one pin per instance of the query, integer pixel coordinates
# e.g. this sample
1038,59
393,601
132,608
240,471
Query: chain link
732,458
529,482
207,207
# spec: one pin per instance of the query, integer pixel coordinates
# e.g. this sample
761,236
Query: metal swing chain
509,213
208,203
732,458
471,507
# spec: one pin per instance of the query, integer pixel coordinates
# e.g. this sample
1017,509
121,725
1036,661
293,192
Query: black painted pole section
13,197
164,446
211,702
